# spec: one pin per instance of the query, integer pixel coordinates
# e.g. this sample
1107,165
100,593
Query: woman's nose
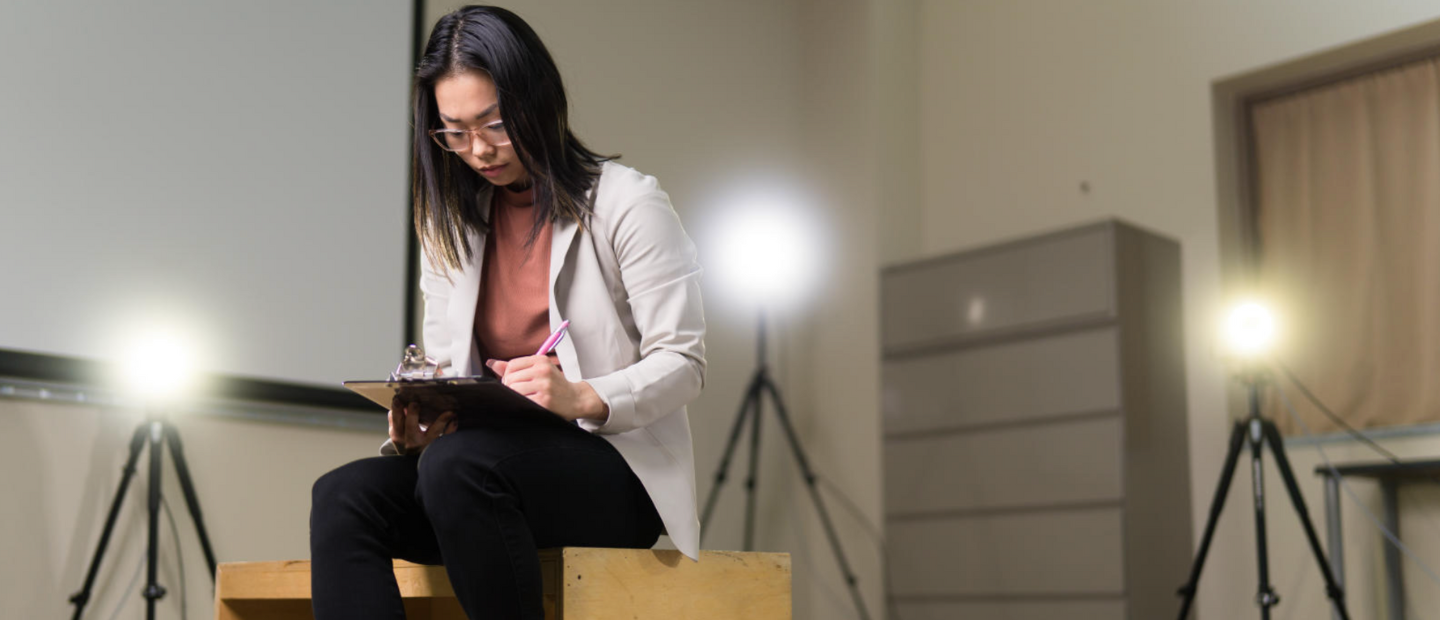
478,145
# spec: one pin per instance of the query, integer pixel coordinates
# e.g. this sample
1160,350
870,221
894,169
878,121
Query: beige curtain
1347,216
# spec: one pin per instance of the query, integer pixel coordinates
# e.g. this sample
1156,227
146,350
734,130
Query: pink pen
553,340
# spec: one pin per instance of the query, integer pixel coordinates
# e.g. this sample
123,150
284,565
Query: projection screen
233,171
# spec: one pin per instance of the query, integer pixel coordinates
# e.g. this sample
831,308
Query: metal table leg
1334,533
1394,579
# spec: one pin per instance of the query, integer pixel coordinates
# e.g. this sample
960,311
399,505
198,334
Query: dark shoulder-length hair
447,192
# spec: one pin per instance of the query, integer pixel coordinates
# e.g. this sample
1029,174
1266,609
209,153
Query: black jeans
481,501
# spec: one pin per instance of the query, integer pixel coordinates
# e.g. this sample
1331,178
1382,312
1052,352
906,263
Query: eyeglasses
460,140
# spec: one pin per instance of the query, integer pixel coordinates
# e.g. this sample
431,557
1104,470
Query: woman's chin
506,180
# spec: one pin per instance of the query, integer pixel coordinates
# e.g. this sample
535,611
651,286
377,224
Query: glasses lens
495,134
459,140
448,141
452,140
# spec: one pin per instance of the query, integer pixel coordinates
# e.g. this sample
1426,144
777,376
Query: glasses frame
469,144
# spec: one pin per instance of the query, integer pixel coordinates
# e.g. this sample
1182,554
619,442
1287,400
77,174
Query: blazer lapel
562,238
463,300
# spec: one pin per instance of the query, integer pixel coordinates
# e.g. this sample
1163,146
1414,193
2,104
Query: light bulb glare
157,367
1250,329
767,255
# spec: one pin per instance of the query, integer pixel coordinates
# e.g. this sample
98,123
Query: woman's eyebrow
484,113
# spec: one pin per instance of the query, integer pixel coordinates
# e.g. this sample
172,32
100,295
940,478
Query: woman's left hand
540,380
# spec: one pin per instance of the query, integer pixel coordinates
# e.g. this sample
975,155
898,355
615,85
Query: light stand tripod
761,384
1254,430
153,431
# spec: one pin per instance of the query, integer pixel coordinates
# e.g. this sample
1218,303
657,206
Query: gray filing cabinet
1035,452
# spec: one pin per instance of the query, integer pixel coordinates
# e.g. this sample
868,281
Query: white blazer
631,291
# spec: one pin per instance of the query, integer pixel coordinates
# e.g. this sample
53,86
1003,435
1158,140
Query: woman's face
467,101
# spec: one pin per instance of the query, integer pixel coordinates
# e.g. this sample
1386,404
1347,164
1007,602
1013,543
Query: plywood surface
579,584
291,580
601,584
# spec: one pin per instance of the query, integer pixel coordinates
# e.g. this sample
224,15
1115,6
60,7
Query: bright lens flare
1250,329
157,366
767,254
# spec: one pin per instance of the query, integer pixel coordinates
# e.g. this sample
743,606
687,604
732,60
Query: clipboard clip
414,365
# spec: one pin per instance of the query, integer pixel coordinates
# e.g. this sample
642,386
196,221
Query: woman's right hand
405,430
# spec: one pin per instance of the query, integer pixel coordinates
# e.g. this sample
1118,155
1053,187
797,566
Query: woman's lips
493,170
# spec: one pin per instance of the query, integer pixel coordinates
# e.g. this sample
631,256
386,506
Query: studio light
1249,333
1249,329
158,366
767,254
768,262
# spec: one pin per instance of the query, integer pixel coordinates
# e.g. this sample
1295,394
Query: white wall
921,127
1022,102
713,99
716,99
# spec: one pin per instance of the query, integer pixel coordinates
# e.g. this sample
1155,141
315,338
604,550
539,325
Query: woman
522,227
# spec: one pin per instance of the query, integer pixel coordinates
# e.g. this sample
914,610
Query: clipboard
463,395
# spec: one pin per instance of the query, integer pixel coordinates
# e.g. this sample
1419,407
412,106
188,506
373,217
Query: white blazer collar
463,299
562,239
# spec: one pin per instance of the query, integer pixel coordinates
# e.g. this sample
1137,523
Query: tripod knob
1267,599
155,592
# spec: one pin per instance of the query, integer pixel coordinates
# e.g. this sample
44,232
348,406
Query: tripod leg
153,591
750,478
182,472
1332,587
1217,504
809,474
721,471
137,443
1264,595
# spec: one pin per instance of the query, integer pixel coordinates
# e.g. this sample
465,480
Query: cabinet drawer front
1050,280
1065,462
1015,610
1062,552
1056,375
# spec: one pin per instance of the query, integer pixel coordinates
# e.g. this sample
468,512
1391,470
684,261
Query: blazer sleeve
661,275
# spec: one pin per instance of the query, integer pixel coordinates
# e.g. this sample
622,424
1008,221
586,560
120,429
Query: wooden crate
579,584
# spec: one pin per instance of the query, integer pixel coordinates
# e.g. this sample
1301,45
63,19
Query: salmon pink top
513,314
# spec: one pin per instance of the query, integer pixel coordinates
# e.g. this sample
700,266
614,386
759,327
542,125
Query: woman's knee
443,463
330,498
330,489
344,489
451,468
